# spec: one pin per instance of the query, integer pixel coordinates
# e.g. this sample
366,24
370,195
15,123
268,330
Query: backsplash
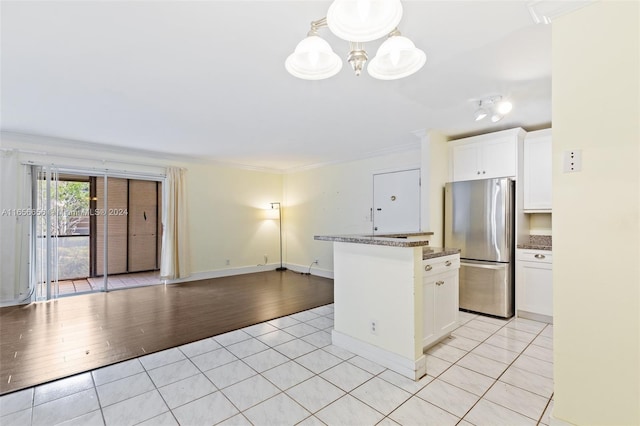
540,240
537,242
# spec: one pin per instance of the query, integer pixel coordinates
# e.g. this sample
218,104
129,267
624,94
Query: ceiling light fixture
494,106
358,21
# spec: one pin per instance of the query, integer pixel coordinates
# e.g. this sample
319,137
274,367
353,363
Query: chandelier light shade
363,20
358,21
396,58
313,59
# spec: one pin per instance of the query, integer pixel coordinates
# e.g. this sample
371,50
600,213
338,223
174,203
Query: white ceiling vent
544,11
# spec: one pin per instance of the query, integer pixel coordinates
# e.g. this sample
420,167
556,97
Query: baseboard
219,273
535,317
554,421
324,273
412,369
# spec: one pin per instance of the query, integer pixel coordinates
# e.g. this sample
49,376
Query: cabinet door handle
447,263
478,171
428,268
539,256
439,282
483,172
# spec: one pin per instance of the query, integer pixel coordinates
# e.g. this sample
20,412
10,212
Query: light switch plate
572,161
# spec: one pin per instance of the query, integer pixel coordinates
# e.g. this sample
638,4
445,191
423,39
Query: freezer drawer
487,287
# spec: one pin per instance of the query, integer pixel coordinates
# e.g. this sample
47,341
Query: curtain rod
77,157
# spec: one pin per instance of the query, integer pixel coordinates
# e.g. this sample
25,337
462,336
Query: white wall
330,200
596,215
226,204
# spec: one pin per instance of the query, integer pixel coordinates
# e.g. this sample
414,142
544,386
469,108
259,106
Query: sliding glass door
93,232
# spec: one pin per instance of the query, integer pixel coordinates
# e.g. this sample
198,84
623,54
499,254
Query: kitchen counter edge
433,252
393,240
534,247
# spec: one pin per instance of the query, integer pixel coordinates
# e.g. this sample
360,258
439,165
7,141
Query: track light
504,107
495,107
480,113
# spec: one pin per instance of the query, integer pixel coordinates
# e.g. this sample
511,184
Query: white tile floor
286,372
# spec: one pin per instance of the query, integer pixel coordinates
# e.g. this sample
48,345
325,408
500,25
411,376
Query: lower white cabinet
440,296
534,284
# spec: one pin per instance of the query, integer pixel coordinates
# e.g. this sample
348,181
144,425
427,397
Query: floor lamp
281,268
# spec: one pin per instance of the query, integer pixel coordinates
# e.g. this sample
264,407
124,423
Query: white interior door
396,202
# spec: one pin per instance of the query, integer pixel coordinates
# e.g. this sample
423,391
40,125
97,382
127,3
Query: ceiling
206,79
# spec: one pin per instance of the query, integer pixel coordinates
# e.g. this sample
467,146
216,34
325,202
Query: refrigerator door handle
477,265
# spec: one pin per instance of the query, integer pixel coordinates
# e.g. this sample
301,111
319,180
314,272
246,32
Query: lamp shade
396,58
363,20
313,59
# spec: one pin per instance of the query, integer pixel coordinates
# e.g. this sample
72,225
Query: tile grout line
411,394
158,390
501,374
95,389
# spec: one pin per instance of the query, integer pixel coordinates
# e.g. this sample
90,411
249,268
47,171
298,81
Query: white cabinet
537,171
534,284
486,156
440,296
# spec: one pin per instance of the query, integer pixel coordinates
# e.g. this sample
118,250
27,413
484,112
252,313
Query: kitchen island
393,296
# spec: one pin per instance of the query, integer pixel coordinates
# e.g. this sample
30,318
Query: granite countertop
393,240
537,242
432,252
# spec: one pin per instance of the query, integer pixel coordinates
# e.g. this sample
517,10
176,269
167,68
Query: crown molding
101,149
545,11
178,159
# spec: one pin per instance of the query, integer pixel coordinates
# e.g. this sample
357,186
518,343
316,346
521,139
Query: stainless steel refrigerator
479,220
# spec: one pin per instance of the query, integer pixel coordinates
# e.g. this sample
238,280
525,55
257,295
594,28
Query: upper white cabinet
537,171
486,156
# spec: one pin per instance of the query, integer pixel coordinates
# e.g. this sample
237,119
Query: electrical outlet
572,161
316,261
228,262
373,326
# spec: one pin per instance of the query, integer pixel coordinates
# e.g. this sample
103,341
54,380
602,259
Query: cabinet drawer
440,264
541,256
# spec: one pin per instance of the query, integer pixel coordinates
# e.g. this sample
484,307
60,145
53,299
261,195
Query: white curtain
175,260
15,194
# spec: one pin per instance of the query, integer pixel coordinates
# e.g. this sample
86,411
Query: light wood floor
45,341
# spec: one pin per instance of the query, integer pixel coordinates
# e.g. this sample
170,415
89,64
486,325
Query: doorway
396,202
94,232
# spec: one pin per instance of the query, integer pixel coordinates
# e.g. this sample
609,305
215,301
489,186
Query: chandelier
357,21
